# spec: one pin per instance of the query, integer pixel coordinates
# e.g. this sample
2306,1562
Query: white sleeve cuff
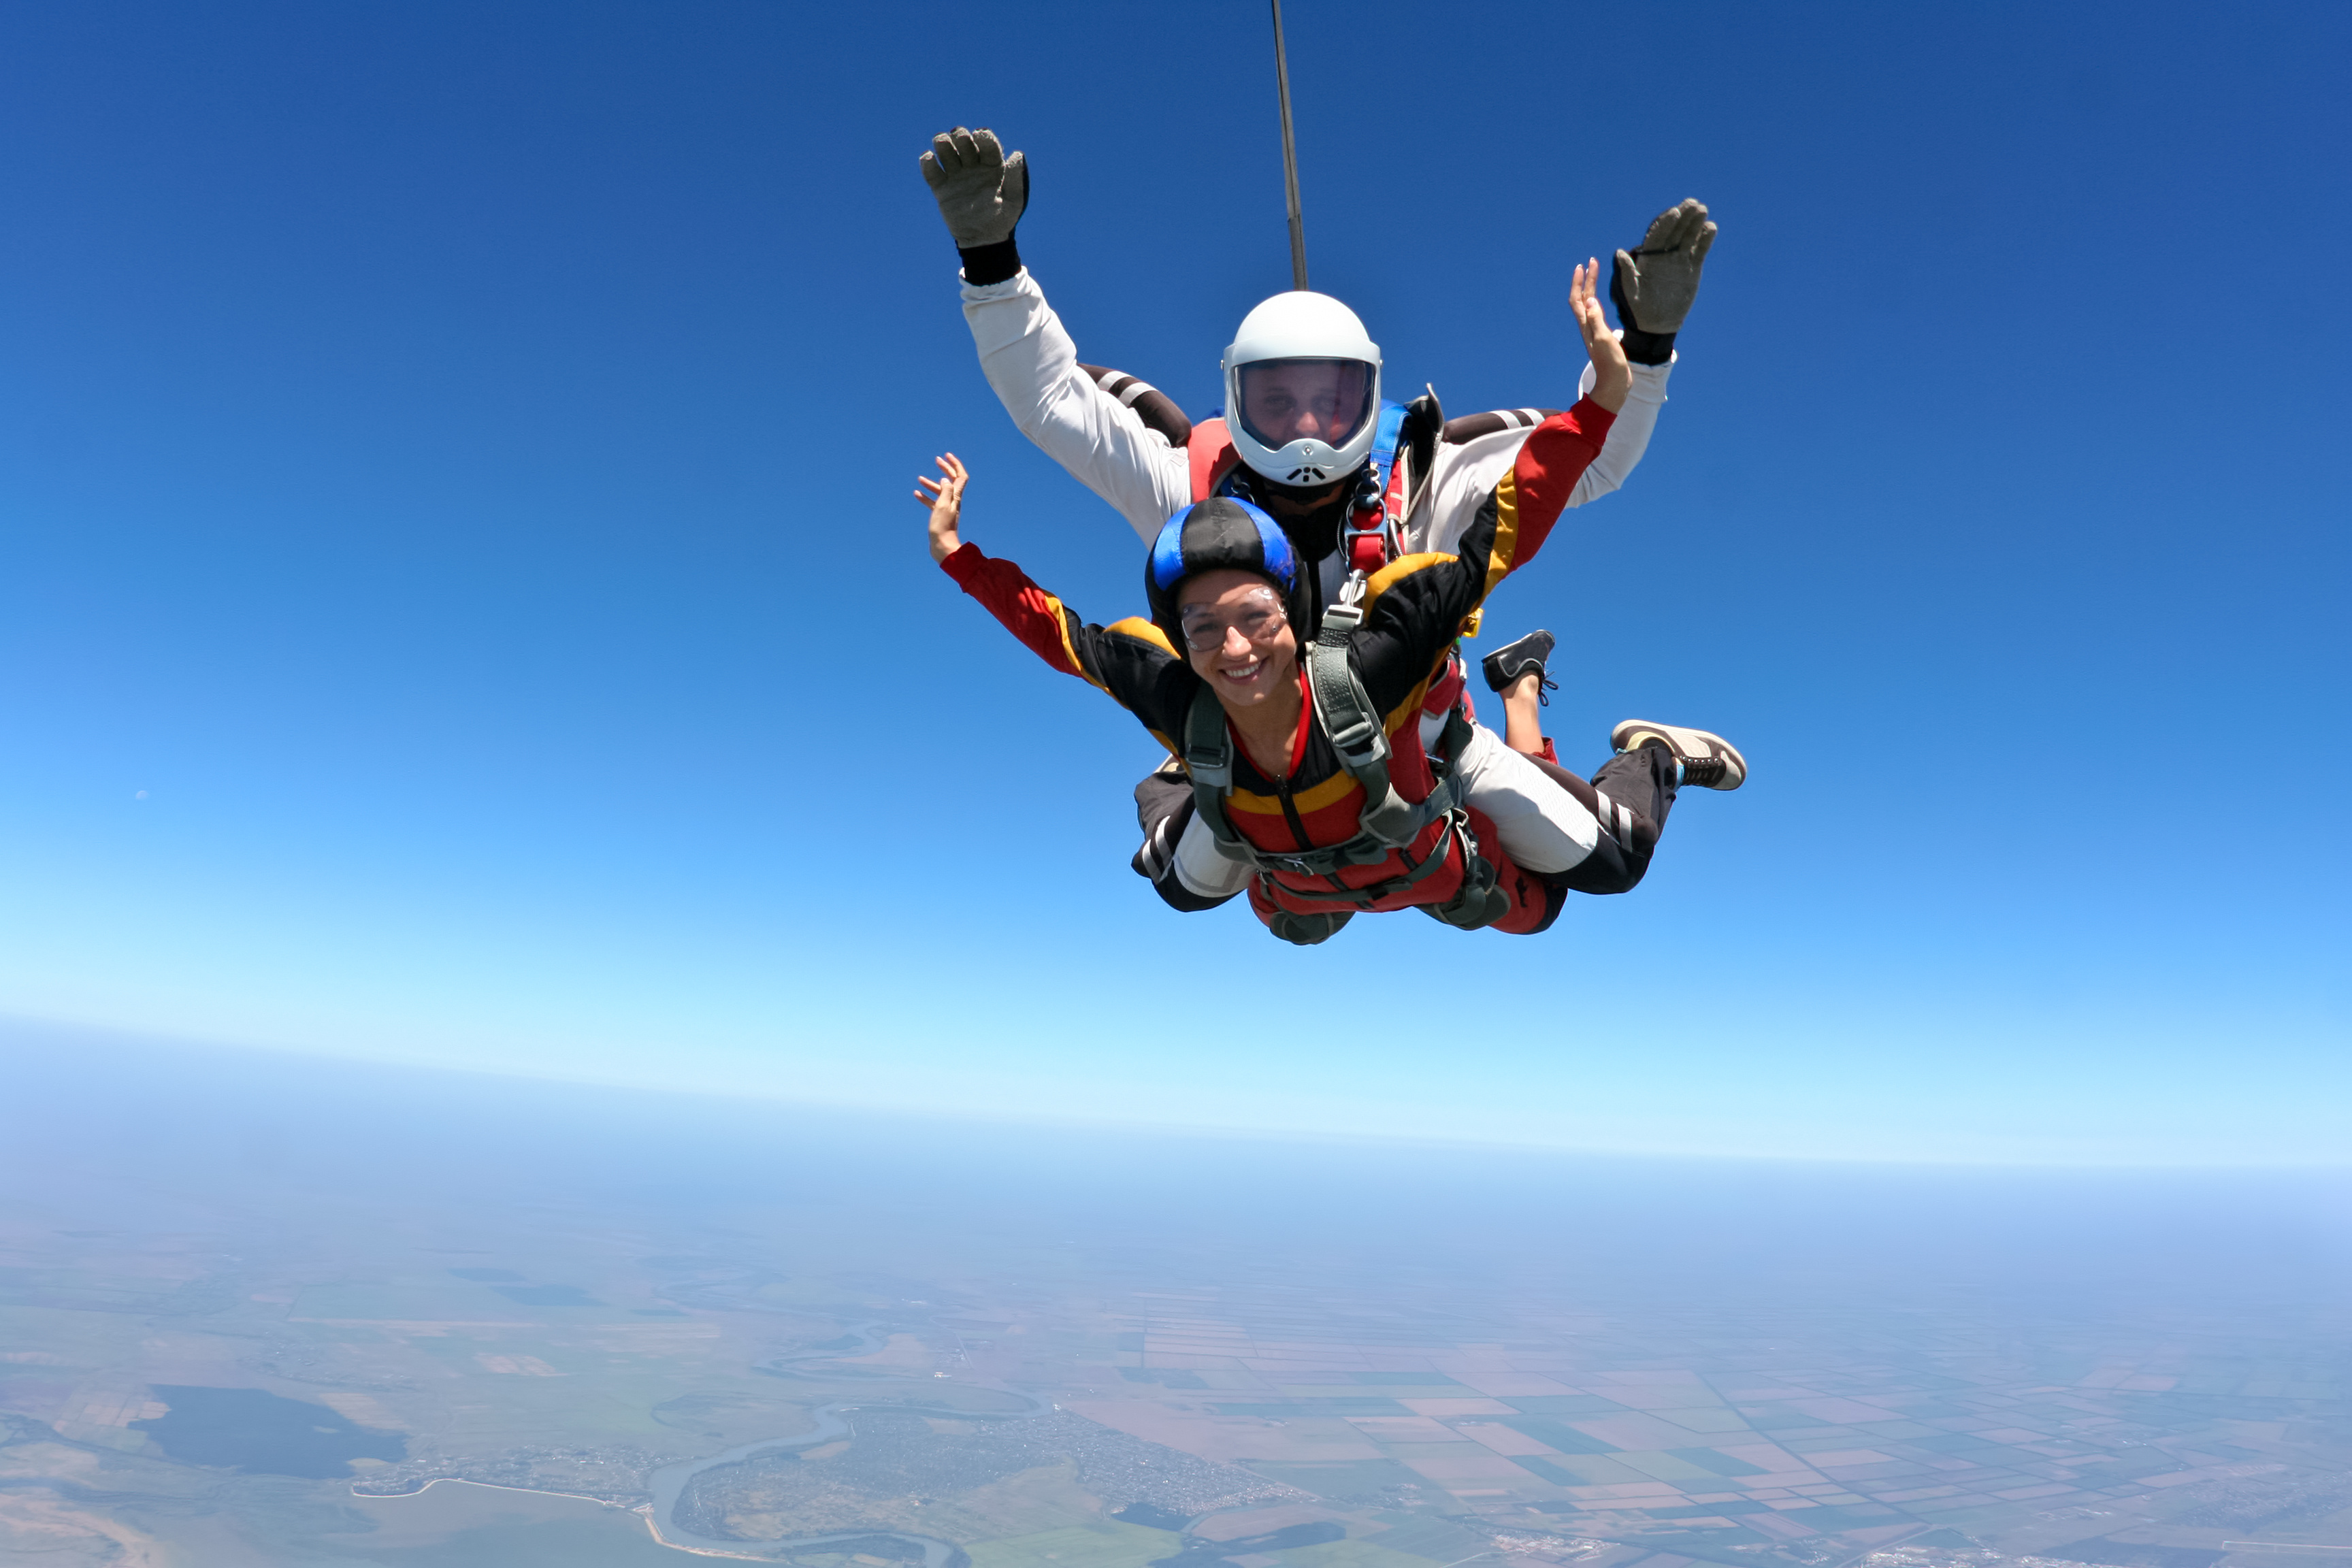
1649,380
1005,290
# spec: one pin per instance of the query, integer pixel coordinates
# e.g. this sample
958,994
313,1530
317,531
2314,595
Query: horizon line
14,1025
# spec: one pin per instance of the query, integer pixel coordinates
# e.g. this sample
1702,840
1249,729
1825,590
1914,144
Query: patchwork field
883,1370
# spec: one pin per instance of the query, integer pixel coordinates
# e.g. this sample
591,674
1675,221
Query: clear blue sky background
454,461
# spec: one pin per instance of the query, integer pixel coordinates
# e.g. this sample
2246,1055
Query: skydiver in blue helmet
1302,752
1308,439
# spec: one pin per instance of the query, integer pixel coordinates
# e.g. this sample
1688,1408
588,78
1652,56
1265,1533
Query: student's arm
1131,660
1629,438
1663,281
1467,468
1415,606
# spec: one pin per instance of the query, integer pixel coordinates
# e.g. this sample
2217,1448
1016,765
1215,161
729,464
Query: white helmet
1302,390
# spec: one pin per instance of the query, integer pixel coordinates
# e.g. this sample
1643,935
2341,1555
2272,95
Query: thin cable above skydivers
1309,440
1311,785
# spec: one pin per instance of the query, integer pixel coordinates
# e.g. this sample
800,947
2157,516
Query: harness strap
1354,729
1386,825
1364,898
1209,760
1478,901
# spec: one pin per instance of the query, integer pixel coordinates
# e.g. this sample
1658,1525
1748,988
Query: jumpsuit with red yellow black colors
1413,609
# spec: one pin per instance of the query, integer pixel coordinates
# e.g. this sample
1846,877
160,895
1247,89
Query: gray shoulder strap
1354,729
1209,760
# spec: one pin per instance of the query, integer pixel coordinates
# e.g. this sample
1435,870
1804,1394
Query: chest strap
1388,822
1355,731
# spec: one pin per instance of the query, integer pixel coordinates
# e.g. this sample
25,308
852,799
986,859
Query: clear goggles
1257,616
1287,400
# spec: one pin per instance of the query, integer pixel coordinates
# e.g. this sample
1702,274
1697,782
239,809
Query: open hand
1654,283
981,192
1612,378
944,496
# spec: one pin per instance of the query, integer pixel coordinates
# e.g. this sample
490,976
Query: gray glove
980,192
1654,285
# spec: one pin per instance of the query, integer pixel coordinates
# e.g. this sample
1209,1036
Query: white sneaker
1708,760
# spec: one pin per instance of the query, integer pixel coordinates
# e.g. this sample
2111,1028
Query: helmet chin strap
1262,490
1317,529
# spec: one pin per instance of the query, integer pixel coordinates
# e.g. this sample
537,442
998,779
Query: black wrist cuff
1641,347
1647,348
986,264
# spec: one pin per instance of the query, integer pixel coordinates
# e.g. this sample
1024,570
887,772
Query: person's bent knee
1540,824
1184,899
1608,870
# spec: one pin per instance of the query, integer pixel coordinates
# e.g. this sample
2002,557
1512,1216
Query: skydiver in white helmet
1305,440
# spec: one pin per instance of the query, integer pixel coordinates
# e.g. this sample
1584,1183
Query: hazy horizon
21,1039
255,1306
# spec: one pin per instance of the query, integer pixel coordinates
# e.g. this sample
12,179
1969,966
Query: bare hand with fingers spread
1613,377
944,496
1346,488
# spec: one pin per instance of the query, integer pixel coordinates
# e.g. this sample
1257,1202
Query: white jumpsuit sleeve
1468,472
1202,867
1628,438
1033,365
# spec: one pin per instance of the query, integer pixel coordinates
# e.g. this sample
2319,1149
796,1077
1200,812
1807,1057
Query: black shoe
1512,660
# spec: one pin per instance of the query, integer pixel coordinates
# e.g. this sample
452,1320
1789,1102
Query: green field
1109,1544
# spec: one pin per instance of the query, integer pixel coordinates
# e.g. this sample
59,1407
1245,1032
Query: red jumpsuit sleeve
1132,659
1022,608
1415,606
1529,499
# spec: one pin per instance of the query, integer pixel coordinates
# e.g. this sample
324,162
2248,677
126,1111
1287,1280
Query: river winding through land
669,1483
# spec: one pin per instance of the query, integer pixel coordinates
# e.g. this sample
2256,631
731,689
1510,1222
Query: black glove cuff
986,264
1641,347
1647,348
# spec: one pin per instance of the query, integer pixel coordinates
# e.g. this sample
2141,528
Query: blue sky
458,601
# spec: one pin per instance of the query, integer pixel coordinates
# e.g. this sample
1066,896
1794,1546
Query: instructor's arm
1030,361
1653,287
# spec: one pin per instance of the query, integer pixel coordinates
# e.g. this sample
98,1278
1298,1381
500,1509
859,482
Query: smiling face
1254,656
1287,400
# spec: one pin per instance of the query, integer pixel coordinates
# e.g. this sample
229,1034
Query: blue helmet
1211,535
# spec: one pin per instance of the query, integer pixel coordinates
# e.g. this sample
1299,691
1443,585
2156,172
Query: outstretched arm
1050,629
1653,287
1030,361
1415,606
1131,660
